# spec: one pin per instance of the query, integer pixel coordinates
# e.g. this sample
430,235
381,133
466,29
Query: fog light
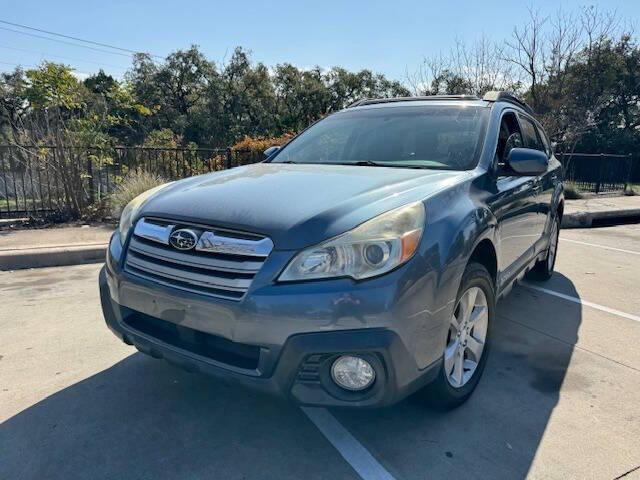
352,373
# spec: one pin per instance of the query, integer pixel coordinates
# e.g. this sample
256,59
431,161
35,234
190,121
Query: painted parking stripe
582,302
351,450
601,246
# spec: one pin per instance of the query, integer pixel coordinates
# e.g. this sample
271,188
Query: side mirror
270,151
527,161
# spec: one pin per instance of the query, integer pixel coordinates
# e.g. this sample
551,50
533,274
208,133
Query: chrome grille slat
186,289
201,261
223,274
188,277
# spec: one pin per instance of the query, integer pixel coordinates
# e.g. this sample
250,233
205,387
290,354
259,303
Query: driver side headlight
369,250
129,212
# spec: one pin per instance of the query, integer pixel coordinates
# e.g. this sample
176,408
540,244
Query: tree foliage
184,100
579,72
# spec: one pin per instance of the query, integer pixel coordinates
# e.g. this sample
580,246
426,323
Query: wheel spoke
469,368
468,301
475,347
458,369
455,321
478,315
450,356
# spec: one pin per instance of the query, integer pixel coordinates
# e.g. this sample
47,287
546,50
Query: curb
95,253
52,256
600,219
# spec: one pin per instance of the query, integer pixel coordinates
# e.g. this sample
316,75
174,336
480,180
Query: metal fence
600,173
60,181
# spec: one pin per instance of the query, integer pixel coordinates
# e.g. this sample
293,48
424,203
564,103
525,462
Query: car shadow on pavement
497,433
145,419
142,418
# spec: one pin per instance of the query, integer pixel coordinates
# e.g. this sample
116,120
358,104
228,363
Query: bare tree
527,50
467,69
564,42
598,26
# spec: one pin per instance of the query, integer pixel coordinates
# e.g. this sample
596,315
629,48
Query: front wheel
468,339
543,269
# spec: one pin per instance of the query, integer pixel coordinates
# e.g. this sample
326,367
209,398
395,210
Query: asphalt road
559,398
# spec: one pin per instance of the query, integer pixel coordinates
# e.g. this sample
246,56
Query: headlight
129,212
371,249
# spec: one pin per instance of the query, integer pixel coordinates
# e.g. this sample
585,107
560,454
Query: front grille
222,264
204,344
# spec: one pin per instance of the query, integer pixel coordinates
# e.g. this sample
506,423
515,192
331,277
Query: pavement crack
627,473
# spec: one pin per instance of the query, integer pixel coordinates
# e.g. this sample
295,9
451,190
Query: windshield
442,137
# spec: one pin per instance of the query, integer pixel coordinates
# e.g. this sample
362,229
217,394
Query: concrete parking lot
559,399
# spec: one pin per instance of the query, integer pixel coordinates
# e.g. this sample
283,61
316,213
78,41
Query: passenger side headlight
129,212
371,249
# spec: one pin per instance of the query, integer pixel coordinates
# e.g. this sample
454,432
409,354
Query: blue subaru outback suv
357,264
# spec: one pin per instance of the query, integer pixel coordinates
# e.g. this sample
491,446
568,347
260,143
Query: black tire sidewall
541,270
556,220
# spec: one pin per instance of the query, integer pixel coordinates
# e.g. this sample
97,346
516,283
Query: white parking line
582,302
600,246
351,450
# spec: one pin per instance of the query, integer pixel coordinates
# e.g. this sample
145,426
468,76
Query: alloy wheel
467,336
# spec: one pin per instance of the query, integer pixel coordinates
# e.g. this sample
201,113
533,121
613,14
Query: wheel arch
486,255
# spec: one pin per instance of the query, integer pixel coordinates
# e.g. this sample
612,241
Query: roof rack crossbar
495,96
373,101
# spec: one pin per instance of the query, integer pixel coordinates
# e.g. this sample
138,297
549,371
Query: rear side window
531,137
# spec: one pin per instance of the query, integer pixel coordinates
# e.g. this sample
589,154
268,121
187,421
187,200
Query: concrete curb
52,256
601,218
95,253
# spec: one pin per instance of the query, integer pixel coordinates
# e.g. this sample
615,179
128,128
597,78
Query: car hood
295,205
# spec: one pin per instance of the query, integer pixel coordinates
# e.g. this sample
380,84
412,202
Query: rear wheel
467,344
543,269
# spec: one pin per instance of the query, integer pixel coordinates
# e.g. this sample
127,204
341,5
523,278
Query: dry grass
131,186
571,192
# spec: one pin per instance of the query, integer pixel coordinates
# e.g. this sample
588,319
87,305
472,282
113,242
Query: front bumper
297,368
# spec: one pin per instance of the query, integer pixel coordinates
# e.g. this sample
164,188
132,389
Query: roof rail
500,96
373,101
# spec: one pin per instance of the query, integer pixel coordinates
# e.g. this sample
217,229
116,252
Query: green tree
53,85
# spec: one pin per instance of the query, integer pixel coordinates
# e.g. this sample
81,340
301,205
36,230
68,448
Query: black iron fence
61,181
600,173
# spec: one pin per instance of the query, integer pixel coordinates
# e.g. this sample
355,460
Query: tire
442,393
543,269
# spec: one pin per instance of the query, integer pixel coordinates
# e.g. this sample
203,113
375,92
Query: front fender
458,220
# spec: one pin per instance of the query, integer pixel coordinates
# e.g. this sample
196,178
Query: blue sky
385,36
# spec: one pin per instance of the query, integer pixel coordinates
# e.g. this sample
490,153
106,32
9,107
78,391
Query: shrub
260,144
571,191
163,138
250,149
135,183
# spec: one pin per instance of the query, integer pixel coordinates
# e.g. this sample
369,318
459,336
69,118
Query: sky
389,37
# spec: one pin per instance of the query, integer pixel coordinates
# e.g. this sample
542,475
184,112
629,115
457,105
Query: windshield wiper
369,163
361,163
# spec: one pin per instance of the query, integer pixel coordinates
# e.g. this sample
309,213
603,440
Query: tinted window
531,138
447,137
509,137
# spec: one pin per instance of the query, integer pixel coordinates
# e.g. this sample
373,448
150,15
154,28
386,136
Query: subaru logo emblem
183,239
